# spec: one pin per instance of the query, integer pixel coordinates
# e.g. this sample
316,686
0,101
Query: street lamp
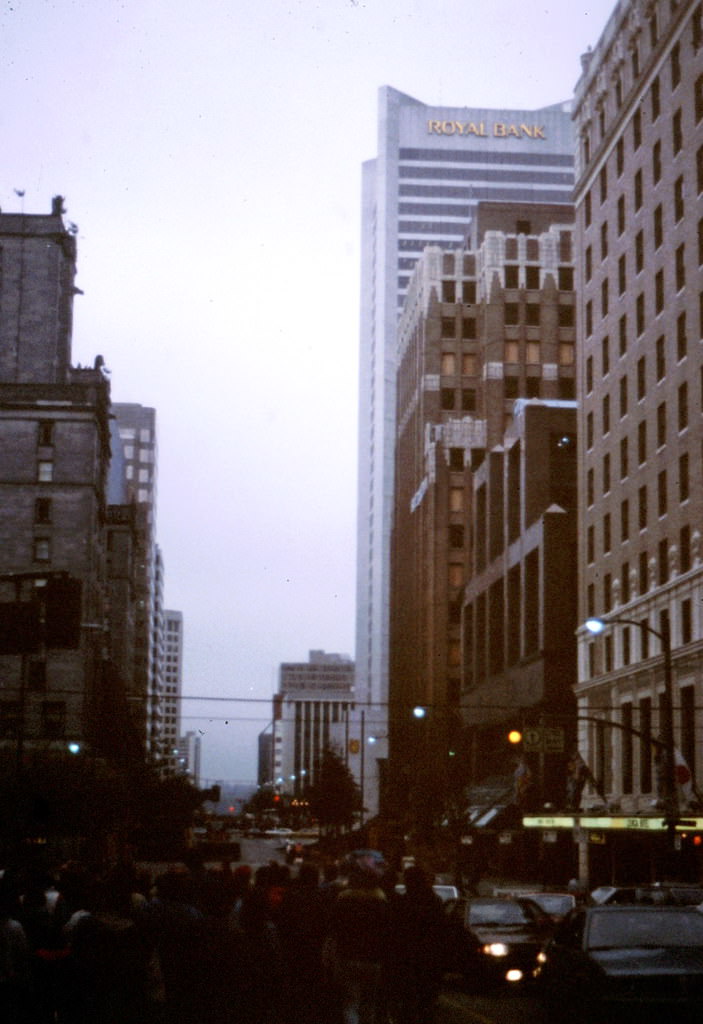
671,802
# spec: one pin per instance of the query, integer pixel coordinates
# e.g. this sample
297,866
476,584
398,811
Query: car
275,833
496,940
678,893
447,893
616,962
557,904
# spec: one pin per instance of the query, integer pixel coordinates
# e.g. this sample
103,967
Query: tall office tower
311,713
484,333
639,119
54,455
189,754
137,430
433,165
172,682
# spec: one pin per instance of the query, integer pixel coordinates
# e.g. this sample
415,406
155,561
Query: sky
210,155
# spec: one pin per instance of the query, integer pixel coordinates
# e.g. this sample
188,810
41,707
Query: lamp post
671,802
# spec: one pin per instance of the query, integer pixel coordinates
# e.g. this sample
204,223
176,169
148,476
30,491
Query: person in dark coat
418,943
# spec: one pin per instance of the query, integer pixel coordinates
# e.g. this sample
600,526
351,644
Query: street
459,1007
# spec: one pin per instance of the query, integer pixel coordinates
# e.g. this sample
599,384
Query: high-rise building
639,119
54,457
311,714
433,165
485,487
137,431
172,675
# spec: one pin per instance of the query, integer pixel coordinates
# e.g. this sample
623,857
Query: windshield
657,926
501,912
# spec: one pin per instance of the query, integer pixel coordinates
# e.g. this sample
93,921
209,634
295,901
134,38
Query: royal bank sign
485,130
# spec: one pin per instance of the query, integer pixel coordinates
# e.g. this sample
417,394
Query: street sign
543,739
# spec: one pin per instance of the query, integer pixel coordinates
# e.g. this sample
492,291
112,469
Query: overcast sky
210,153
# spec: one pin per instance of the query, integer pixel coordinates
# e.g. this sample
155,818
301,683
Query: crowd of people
197,945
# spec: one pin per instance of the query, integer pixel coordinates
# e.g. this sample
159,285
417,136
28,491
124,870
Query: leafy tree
334,796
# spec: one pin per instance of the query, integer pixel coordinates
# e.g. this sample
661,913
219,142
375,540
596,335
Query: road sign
543,739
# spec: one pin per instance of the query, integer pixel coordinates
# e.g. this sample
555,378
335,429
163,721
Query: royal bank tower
433,165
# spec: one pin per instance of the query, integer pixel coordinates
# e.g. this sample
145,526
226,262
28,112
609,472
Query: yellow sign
479,129
354,746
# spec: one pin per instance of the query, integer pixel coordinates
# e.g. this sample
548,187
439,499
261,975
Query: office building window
606,533
468,364
468,328
603,183
45,435
641,378
661,424
637,189
686,621
699,169
637,129
588,263
627,743
700,241
680,267
624,519
590,488
642,507
624,458
698,98
45,471
642,442
42,510
620,155
683,406
605,355
622,273
663,562
532,352
684,487
679,204
589,430
658,292
589,374
447,398
658,226
676,133
587,215
590,545
606,472
623,397
625,582
675,65
512,352
468,399
681,333
639,314
42,549
604,240
662,503
639,252
621,215
622,334
643,581
448,364
606,414
512,313
655,99
589,319
656,162
661,358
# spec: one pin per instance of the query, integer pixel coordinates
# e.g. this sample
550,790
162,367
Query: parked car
557,904
494,940
447,893
625,962
677,893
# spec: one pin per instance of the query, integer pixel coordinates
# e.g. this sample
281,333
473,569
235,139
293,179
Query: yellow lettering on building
501,130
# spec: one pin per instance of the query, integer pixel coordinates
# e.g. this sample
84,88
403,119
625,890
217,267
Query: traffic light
62,611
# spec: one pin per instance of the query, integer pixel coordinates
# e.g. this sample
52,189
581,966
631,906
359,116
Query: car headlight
496,949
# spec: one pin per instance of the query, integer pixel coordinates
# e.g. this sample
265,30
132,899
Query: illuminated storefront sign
480,129
635,824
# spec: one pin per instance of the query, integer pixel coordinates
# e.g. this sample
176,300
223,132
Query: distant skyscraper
433,165
172,676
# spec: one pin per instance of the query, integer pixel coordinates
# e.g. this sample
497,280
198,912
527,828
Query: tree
334,796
